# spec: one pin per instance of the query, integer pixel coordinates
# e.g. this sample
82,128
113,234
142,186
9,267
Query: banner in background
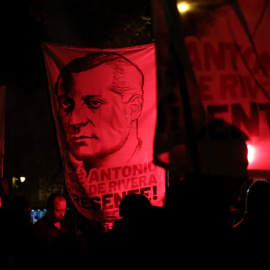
2,128
227,46
104,107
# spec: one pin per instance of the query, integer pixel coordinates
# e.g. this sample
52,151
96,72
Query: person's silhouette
17,248
253,229
137,234
199,203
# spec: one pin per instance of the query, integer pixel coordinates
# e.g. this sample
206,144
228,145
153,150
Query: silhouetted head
258,199
134,205
18,208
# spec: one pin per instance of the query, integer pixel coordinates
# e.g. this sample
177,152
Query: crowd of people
196,226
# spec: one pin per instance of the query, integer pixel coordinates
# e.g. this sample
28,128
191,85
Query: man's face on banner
95,120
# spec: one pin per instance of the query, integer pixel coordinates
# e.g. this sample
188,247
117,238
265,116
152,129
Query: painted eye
94,103
65,103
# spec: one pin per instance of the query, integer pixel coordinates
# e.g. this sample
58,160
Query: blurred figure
137,235
134,210
56,205
252,232
56,234
17,245
199,204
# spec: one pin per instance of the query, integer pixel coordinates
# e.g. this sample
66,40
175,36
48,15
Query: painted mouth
78,139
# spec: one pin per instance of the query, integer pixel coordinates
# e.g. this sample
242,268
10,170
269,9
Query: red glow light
251,153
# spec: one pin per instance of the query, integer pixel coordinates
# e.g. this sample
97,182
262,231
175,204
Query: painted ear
136,105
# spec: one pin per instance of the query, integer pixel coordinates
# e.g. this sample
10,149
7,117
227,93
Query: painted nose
78,117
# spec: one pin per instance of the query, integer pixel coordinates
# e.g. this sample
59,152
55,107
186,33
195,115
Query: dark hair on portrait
120,65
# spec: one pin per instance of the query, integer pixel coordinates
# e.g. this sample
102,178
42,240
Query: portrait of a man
100,98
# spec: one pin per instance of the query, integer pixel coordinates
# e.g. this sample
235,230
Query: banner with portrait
225,53
104,107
